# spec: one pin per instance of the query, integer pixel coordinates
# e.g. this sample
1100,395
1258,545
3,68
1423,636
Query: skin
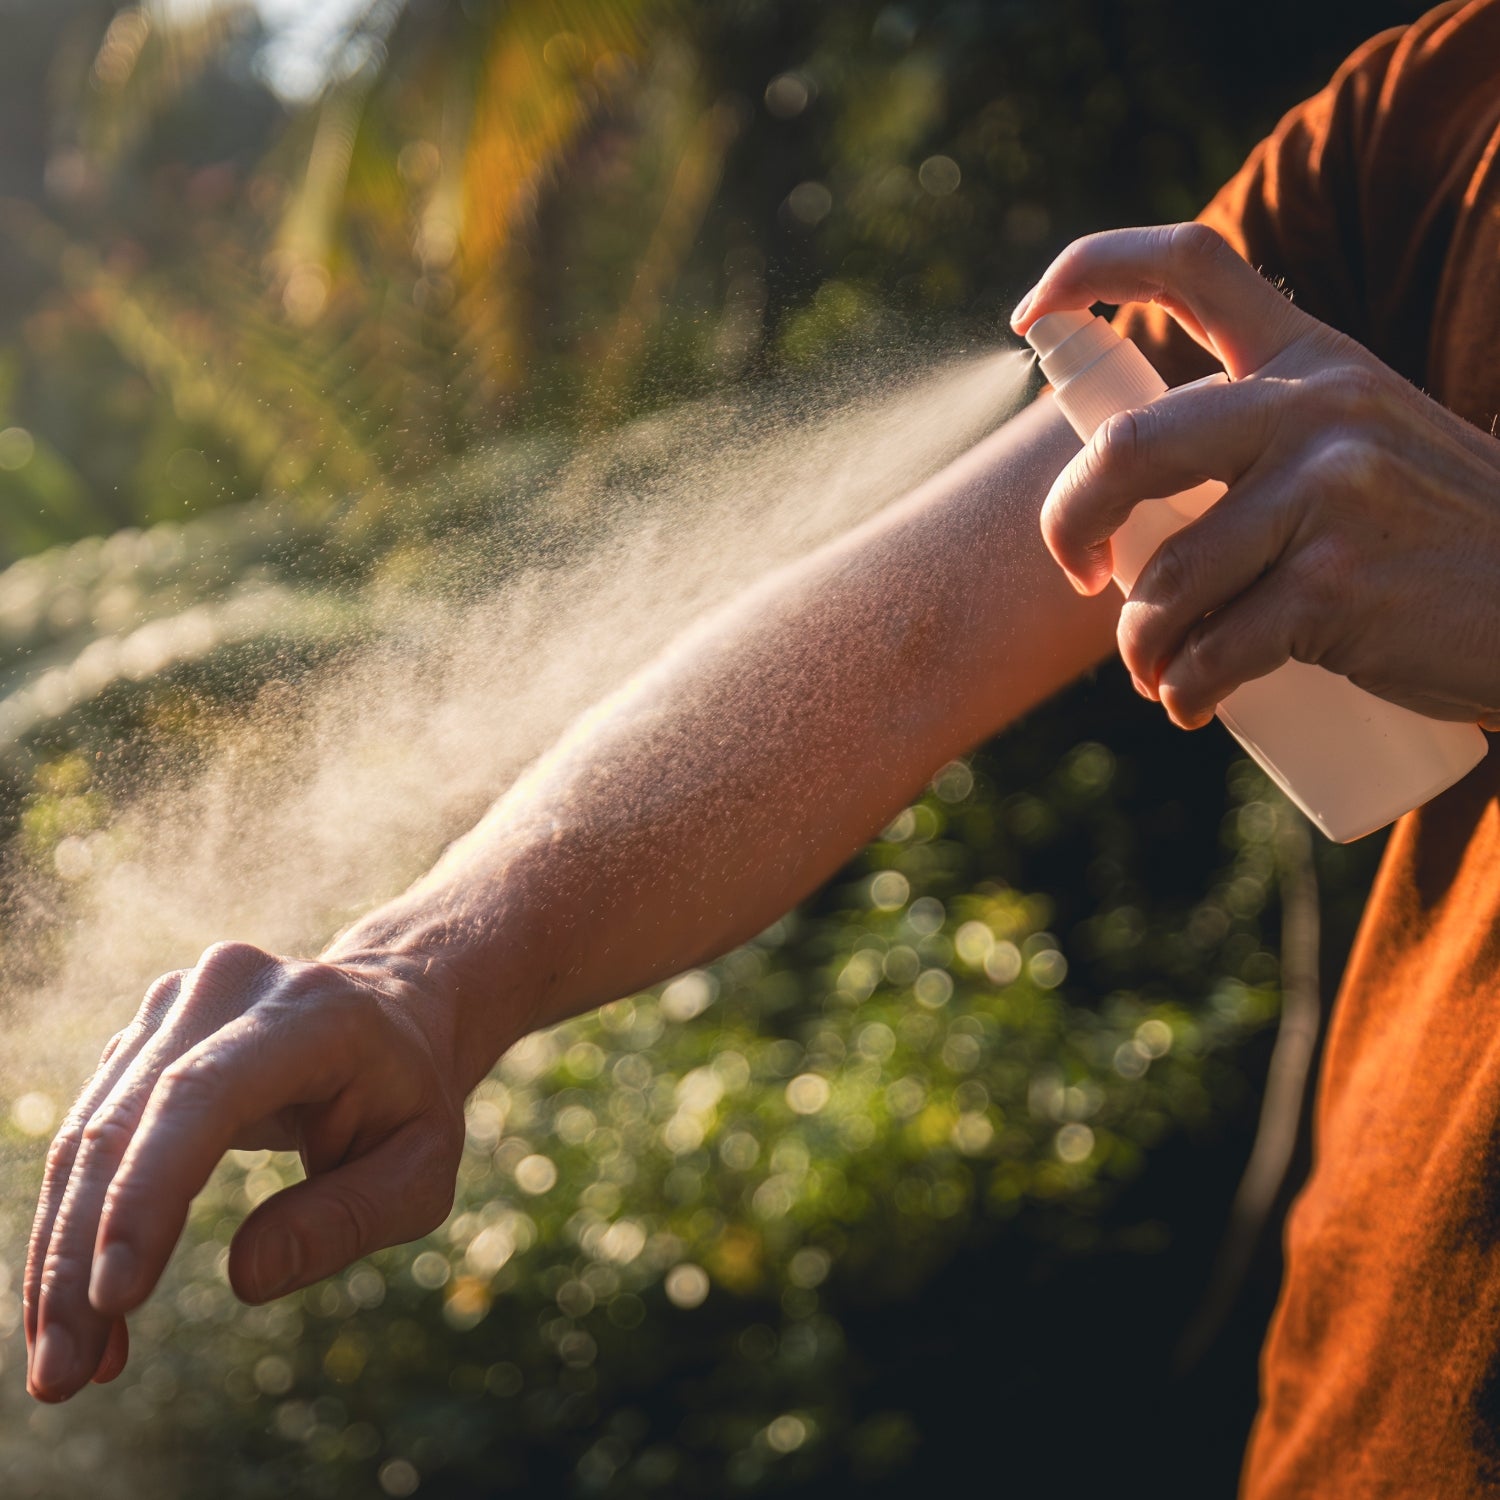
1359,525
795,721
1361,528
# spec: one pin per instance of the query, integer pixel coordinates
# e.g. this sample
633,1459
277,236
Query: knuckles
1346,391
1204,664
1171,575
1195,244
1114,450
62,1153
356,1219
159,999
192,1083
1345,411
1151,617
1202,673
1346,464
1321,579
111,1130
1120,442
231,963
235,956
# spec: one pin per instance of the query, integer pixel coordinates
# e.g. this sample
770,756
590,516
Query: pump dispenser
1351,761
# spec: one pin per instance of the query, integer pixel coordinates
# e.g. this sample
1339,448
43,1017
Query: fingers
399,1191
1189,269
1186,437
179,1012
1202,568
70,1336
118,1056
1249,637
116,1352
248,1069
218,1056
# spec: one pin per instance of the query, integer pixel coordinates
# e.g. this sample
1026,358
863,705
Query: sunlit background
931,1184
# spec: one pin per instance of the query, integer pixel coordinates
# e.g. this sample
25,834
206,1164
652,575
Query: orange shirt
1378,201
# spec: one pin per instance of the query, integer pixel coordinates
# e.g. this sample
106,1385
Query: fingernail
1188,718
1140,686
114,1280
276,1264
1021,307
56,1354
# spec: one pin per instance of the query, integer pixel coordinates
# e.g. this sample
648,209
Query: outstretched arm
694,806
678,817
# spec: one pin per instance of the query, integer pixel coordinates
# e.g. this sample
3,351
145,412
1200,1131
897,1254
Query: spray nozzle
1093,371
1053,329
1067,343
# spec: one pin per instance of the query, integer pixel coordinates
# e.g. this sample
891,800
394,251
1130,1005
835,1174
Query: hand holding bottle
1361,528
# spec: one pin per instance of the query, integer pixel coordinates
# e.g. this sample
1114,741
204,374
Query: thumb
399,1191
1192,271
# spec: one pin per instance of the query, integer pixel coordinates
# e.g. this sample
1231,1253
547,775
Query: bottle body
1351,761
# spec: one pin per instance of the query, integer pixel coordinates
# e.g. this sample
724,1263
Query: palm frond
547,70
283,428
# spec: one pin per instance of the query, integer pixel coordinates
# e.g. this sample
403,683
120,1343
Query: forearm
727,780
676,818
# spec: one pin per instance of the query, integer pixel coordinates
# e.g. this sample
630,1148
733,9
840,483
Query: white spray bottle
1351,761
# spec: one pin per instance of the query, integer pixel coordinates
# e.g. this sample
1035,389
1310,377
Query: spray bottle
1351,761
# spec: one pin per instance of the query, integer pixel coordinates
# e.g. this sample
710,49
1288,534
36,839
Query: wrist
468,959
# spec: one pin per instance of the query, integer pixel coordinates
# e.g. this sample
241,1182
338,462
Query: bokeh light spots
972,1133
1047,968
809,1267
954,783
430,1270
925,915
786,1433
889,890
686,1285
536,1174
34,1113
398,1478
807,1093
1074,1143
939,175
688,995
17,448
1154,1037
1002,964
933,988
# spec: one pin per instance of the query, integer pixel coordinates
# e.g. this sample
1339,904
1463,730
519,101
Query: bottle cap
1052,329
1069,342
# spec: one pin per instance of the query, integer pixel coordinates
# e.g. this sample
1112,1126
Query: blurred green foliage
667,1211
923,1181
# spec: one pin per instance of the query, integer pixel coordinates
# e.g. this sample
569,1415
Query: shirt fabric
1377,203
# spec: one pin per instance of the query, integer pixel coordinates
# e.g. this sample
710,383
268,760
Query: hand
1361,527
346,1063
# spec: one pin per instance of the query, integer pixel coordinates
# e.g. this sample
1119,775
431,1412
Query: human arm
680,816
1361,527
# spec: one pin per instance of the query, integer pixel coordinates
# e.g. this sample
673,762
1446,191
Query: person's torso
1381,1374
